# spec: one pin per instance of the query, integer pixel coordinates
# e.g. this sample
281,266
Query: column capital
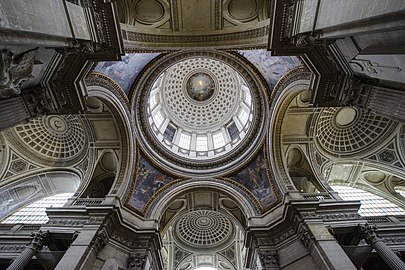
38,240
268,258
368,232
136,261
306,236
100,241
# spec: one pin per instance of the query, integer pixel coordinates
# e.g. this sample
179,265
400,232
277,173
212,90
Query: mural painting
124,72
256,180
148,181
271,67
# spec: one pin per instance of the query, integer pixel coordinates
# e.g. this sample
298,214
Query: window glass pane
152,102
169,132
400,191
218,139
233,131
202,143
371,204
158,119
35,212
243,117
248,97
184,141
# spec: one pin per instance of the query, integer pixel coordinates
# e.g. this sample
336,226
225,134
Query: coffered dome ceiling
349,131
206,108
51,140
201,229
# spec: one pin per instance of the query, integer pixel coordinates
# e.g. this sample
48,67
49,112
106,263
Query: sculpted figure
14,71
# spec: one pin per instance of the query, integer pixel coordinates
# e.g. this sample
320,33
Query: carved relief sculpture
14,71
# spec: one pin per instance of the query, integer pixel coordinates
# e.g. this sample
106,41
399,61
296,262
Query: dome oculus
200,86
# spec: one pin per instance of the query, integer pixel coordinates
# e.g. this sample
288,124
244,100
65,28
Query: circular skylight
195,110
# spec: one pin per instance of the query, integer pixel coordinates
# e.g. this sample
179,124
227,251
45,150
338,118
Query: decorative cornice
136,41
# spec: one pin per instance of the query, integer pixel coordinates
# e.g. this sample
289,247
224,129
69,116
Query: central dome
200,94
199,107
200,86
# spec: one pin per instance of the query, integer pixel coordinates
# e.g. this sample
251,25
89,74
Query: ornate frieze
135,41
66,222
130,242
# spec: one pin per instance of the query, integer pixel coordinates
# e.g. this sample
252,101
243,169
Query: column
38,240
84,250
368,233
323,247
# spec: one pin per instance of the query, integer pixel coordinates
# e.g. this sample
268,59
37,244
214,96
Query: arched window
371,204
34,213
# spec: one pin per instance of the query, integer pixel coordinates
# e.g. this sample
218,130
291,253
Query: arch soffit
159,206
111,94
287,88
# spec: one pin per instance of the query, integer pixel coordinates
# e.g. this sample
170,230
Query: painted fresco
148,181
271,67
125,72
256,180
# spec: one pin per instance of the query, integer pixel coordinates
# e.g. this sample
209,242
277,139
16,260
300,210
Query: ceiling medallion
200,86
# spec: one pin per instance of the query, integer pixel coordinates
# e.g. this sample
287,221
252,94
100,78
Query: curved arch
35,212
371,177
295,81
105,89
157,209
